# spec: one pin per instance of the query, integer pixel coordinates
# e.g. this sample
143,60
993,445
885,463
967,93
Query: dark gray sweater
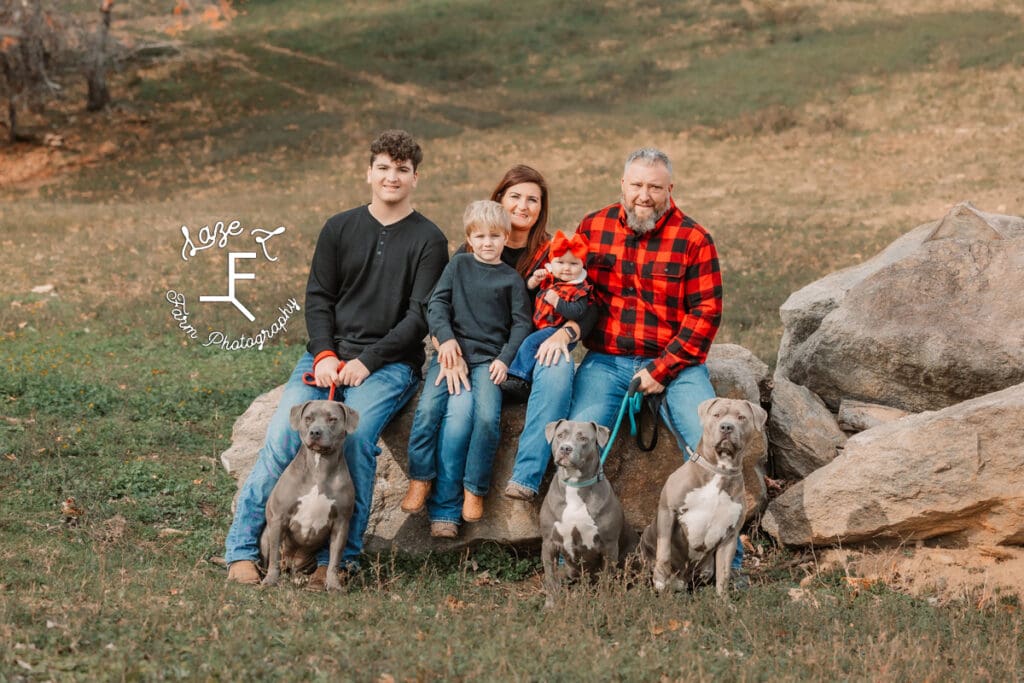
369,285
484,307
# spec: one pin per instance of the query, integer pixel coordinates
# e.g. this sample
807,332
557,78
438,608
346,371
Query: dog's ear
349,418
549,431
603,433
295,416
705,407
760,415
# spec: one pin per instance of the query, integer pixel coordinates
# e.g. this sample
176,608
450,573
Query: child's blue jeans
453,440
524,362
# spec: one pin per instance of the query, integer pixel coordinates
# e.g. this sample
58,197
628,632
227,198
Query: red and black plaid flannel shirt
544,314
657,295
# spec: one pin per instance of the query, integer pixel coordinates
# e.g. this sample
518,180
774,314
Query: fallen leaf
453,603
859,583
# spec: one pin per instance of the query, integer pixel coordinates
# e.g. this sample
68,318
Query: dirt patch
981,575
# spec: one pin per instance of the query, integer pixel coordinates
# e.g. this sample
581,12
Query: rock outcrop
803,435
934,319
956,476
636,476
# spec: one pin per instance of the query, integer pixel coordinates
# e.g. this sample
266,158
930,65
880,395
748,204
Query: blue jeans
454,439
549,400
376,400
524,362
603,379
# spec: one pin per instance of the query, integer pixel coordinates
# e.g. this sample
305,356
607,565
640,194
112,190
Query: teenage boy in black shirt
371,276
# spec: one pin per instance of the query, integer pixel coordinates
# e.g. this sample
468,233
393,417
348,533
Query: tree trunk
99,94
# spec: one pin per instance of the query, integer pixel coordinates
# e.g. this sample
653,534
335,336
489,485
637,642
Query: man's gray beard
642,226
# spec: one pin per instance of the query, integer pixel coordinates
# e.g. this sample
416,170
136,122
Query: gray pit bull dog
313,500
700,510
581,518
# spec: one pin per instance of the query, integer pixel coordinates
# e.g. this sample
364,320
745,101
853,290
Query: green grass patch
279,91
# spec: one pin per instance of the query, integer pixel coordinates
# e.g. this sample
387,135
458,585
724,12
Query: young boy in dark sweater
479,313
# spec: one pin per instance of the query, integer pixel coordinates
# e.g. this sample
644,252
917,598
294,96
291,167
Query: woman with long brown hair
524,194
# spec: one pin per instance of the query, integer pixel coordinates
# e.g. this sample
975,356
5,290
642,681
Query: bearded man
657,301
656,306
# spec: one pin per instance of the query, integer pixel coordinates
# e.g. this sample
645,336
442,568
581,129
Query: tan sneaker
472,506
416,497
444,529
245,572
517,492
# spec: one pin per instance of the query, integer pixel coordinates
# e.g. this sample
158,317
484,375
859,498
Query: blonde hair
485,214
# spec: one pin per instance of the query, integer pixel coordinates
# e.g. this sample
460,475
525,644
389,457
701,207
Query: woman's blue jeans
550,395
603,379
453,440
376,400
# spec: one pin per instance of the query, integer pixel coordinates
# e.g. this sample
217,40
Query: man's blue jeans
603,379
549,400
453,440
376,400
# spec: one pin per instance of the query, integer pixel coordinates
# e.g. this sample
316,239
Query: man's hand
326,372
536,278
455,377
449,354
353,374
498,370
553,349
649,385
551,297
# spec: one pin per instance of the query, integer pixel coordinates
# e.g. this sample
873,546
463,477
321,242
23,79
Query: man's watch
571,331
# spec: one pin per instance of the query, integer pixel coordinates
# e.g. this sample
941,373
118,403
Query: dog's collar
703,462
584,484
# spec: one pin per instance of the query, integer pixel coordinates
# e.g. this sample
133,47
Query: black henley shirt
368,287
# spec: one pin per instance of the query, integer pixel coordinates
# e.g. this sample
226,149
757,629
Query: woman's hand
456,377
499,371
449,354
553,349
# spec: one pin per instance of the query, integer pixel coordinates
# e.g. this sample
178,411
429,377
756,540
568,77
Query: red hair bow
576,245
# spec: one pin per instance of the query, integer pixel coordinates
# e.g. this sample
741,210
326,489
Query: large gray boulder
934,319
956,475
803,435
636,476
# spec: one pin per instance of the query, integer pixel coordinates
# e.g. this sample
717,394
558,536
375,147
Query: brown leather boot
416,497
517,492
444,529
245,572
472,506
318,579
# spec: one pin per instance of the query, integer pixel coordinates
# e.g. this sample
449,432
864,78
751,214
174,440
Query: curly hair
398,145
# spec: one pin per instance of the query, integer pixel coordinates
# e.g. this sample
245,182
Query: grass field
805,136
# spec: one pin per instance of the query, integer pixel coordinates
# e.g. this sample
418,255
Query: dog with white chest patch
700,509
312,502
581,519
